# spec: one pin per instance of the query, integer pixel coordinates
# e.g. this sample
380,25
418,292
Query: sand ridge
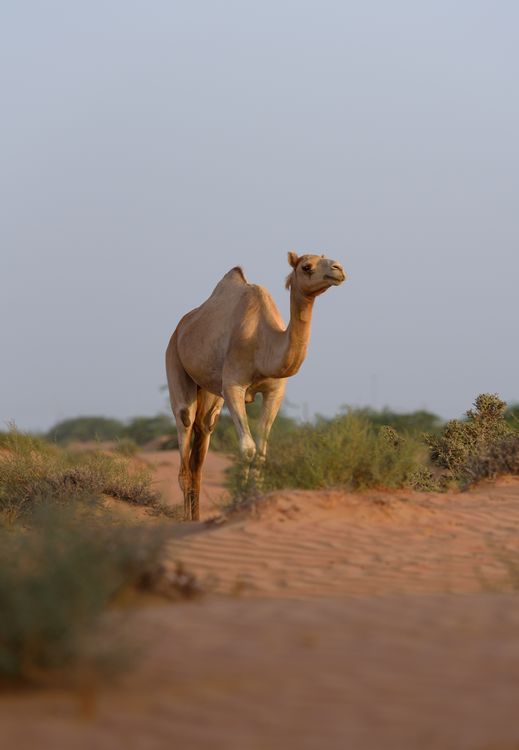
334,543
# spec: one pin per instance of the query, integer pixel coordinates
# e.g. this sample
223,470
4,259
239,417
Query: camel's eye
307,268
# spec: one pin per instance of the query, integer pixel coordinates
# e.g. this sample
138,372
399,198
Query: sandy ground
334,621
165,465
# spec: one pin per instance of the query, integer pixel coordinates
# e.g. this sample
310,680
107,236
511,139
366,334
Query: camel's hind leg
207,413
183,395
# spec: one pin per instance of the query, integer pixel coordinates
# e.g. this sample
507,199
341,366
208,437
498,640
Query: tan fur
231,347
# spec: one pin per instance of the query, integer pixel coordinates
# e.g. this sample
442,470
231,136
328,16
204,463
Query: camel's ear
293,258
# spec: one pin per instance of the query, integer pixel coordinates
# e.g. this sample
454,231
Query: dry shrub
496,459
32,470
347,451
483,445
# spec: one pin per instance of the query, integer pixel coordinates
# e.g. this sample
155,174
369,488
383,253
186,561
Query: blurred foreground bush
58,573
64,557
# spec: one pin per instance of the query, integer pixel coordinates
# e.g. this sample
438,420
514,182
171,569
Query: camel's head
314,274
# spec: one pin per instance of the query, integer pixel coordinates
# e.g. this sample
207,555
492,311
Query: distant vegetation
83,429
353,449
141,430
411,423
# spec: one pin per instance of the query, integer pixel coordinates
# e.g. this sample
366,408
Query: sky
149,146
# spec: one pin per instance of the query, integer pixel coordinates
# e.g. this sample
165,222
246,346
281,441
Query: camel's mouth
336,280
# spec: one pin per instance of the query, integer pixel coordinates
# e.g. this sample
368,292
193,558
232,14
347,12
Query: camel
232,347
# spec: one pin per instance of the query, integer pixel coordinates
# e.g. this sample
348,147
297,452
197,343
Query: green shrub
465,442
347,451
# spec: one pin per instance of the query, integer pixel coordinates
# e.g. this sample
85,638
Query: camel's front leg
272,398
235,399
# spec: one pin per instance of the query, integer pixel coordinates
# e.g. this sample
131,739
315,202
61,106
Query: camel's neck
294,341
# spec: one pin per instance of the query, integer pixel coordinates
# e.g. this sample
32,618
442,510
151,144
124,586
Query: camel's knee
185,417
208,424
247,448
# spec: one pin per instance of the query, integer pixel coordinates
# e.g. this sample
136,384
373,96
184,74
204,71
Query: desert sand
333,620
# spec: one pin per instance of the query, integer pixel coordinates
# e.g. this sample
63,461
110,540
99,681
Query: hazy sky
147,147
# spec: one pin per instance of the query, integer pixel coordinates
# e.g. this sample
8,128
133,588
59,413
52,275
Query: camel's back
203,334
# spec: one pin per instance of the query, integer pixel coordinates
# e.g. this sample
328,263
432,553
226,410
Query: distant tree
82,429
144,429
412,423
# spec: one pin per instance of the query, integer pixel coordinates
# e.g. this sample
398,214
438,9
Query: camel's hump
236,273
233,279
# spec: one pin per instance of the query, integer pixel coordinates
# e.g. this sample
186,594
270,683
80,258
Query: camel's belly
212,385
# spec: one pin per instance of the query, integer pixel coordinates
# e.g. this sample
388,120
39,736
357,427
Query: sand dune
380,620
333,543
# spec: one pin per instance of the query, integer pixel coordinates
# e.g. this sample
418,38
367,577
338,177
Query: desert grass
32,470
